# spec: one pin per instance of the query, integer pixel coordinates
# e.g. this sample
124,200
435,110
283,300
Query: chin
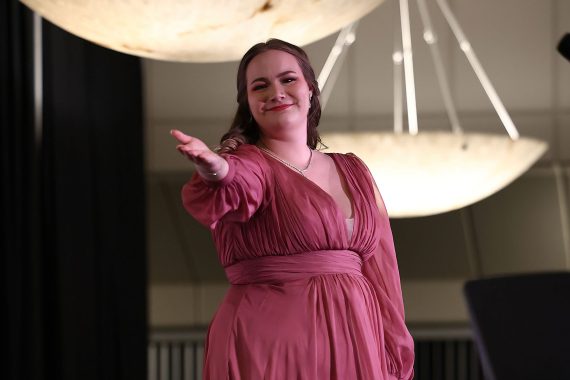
288,121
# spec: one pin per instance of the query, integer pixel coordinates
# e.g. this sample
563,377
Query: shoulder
248,158
246,153
348,158
244,150
337,154
352,163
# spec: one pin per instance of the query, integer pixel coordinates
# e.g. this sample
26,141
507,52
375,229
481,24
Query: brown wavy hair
244,129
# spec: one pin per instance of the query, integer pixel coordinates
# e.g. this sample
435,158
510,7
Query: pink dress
308,299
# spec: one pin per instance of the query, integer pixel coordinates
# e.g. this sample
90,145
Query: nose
277,93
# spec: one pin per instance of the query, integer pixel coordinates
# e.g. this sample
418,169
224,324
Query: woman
303,236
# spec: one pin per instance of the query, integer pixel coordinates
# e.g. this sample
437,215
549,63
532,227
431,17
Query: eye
289,80
259,86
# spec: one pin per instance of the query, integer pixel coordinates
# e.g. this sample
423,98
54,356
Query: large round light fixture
199,30
431,172
421,174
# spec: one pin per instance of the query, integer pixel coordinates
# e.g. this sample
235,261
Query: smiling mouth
280,107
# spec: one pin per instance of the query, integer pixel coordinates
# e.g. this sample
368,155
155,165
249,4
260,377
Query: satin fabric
281,269
292,311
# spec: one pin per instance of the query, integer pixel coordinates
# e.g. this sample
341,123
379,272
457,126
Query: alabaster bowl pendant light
435,172
199,30
427,173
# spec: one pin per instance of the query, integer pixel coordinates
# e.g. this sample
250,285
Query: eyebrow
261,79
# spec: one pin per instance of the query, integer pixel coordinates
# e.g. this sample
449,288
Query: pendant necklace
299,170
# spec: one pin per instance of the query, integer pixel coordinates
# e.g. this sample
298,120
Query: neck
295,151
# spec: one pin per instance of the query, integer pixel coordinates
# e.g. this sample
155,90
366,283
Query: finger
185,151
189,155
184,146
195,155
184,139
189,149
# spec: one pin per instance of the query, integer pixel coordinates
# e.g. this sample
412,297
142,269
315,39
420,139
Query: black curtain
73,208
22,294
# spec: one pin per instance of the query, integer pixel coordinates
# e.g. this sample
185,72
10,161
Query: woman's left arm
381,269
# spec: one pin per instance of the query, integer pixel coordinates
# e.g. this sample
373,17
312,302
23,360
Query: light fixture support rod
397,59
331,68
432,41
398,93
478,69
408,68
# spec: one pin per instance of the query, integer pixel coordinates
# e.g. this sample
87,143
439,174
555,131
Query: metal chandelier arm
431,39
331,68
478,69
408,68
398,60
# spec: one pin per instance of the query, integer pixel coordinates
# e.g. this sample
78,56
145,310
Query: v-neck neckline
343,178
343,181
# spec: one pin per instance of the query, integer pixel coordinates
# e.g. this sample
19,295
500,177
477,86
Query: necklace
300,171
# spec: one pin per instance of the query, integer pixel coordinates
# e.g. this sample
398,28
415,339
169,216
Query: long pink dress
307,301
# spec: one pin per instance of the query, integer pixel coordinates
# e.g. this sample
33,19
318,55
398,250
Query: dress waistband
279,269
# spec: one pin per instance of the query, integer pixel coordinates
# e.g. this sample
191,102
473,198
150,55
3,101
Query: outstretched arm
209,165
229,187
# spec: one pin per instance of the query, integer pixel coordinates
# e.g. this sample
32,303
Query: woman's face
278,94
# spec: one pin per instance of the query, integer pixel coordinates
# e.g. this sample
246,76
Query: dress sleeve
381,269
236,197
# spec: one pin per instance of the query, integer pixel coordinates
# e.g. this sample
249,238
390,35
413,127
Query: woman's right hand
208,164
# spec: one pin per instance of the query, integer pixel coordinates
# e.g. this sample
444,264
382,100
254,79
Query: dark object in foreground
564,46
520,325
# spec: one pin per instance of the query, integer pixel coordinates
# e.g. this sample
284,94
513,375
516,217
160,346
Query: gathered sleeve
234,198
381,269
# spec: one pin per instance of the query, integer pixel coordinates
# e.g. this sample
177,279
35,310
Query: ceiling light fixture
428,173
199,30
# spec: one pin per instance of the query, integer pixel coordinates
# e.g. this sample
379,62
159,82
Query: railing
176,354
442,353
445,353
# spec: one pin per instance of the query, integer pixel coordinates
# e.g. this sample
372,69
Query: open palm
198,152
